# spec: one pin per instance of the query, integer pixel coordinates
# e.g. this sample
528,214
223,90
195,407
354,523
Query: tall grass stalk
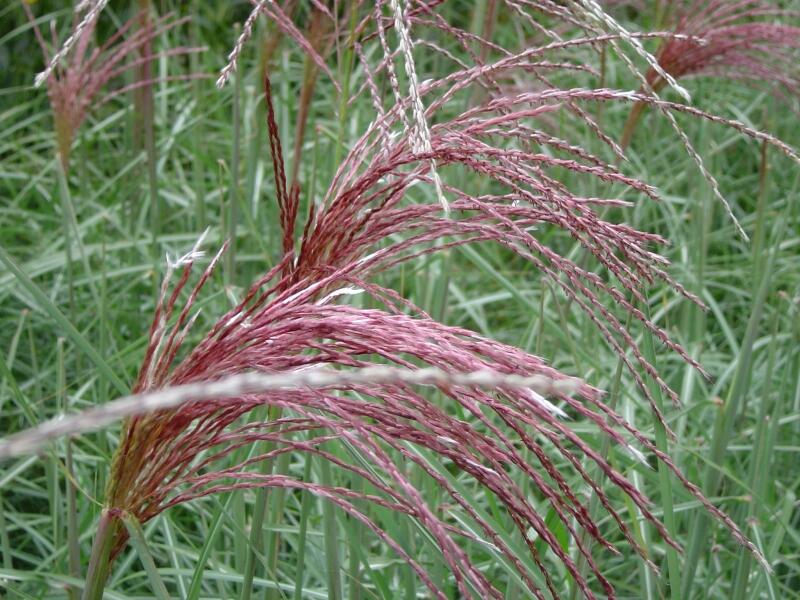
145,109
198,168
72,235
71,508
137,538
232,217
273,537
302,533
99,563
104,344
330,528
67,226
664,477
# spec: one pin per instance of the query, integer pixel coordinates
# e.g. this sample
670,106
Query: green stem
233,197
277,507
664,476
146,114
345,95
73,545
331,532
305,511
71,229
198,168
138,541
100,560
758,236
330,527
659,14
256,539
355,541
256,532
64,192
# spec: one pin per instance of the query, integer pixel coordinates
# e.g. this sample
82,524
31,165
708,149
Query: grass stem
99,565
233,196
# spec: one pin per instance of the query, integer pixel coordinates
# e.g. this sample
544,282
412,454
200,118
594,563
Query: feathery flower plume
735,40
86,24
79,70
608,22
732,39
291,320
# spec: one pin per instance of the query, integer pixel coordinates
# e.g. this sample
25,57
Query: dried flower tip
246,34
345,291
638,455
191,256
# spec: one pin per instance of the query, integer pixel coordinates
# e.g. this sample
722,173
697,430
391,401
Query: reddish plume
734,39
380,210
75,83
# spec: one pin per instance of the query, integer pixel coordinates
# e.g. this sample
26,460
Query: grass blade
140,544
68,328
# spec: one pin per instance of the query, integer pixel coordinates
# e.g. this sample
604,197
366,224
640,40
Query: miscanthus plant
405,189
